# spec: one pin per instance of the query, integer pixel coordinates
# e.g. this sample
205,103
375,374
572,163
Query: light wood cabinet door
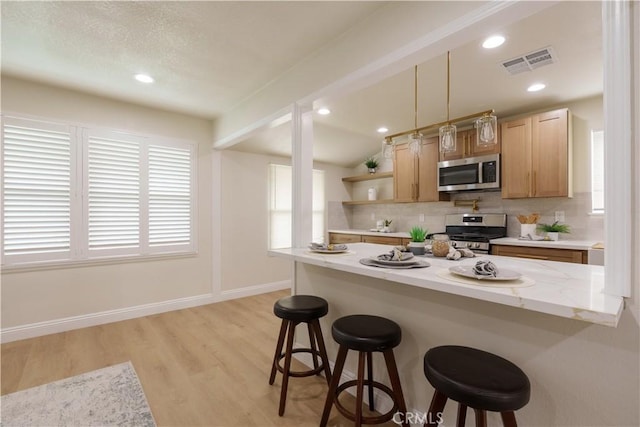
382,240
550,154
466,146
536,156
547,254
516,158
344,238
428,172
404,174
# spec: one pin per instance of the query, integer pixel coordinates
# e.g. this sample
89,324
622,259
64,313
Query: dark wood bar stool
475,379
294,310
365,334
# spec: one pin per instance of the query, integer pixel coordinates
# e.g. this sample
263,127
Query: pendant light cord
415,99
448,83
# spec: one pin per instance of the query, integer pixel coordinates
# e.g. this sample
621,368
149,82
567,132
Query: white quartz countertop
573,291
557,244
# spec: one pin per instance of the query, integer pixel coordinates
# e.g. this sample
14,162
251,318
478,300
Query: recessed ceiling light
324,111
143,78
382,129
536,87
493,41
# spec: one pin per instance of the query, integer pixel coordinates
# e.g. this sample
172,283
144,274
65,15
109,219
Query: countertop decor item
440,245
553,230
372,164
418,236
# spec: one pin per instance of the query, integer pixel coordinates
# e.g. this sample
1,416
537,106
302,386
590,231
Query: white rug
110,396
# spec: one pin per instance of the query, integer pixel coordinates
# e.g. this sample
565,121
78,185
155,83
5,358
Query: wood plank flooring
202,366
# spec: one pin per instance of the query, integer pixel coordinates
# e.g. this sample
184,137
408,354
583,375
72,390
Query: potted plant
418,236
552,230
386,225
372,164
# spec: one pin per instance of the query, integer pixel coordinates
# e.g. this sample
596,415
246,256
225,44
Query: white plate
409,261
327,251
467,271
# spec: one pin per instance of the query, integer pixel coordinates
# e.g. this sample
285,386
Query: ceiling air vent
530,61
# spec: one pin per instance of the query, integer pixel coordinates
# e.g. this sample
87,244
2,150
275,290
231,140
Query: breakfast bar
556,324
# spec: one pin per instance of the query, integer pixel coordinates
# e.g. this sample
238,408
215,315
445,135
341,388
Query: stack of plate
321,248
383,261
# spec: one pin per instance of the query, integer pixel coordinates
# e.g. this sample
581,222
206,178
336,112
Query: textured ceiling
207,57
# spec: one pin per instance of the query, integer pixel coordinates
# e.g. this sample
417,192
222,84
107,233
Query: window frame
79,255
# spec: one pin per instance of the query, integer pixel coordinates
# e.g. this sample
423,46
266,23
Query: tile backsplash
584,226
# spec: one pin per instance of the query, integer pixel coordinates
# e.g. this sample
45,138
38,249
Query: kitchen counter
583,245
571,291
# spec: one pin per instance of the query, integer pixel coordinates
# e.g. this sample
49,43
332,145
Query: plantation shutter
113,171
37,189
170,196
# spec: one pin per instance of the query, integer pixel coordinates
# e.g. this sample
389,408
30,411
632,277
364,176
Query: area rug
110,396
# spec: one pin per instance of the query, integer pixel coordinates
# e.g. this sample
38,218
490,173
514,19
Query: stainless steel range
474,231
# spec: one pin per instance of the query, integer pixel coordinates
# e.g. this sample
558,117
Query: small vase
416,248
553,235
372,170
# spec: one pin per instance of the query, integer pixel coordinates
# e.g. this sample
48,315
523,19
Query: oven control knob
475,245
454,244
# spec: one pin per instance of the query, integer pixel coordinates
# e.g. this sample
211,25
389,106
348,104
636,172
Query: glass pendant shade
387,149
486,128
448,138
415,143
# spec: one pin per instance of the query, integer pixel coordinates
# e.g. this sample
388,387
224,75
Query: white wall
245,219
38,296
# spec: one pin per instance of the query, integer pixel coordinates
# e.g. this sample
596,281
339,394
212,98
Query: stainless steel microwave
471,173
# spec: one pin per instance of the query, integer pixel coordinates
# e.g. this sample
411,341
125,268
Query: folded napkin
396,255
327,247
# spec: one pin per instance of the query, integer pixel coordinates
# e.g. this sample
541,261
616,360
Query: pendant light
415,139
448,132
486,129
387,148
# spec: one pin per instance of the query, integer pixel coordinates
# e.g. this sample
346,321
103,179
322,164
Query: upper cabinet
416,177
536,155
466,146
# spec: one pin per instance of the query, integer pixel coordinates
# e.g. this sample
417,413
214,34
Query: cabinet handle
528,182
535,186
417,190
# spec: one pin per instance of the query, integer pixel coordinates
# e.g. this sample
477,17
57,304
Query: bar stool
475,379
294,310
365,334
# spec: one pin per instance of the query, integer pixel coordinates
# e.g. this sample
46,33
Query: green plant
387,222
554,228
418,234
371,163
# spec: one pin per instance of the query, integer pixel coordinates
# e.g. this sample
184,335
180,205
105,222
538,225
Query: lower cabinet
357,238
548,254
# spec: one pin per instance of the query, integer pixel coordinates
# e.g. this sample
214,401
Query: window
71,193
280,202
597,171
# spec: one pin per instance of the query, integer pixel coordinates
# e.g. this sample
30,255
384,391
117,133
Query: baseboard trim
32,330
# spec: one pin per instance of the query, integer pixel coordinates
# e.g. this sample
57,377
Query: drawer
344,238
548,254
382,240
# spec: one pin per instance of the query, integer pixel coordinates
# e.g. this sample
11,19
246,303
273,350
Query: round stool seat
366,333
476,378
301,308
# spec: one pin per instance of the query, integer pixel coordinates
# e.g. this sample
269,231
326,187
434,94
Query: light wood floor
202,366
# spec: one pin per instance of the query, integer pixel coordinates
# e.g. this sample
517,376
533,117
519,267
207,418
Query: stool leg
392,369
370,377
508,419
312,344
462,415
437,406
315,323
276,357
481,418
287,367
335,379
360,388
